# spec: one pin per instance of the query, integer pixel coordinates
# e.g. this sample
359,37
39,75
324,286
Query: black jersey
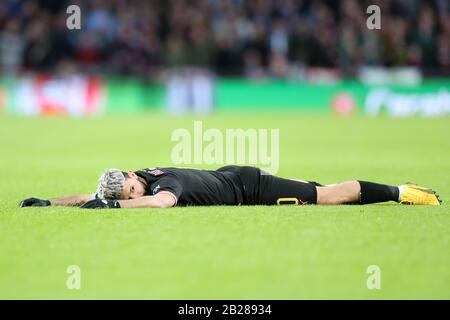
230,185
194,187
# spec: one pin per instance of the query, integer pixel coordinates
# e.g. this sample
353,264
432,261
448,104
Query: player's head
115,184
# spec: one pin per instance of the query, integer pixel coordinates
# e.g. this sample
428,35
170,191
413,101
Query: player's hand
34,202
101,204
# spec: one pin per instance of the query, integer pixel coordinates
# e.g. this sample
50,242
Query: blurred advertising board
429,98
50,95
81,96
406,104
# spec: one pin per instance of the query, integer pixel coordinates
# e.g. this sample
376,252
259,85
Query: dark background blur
230,37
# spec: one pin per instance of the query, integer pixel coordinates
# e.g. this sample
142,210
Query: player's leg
274,190
342,193
363,192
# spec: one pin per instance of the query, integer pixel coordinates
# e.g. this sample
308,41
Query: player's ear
131,174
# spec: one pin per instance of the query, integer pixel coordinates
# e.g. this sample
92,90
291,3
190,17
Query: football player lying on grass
231,185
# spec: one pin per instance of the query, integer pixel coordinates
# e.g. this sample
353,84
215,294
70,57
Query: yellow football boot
415,195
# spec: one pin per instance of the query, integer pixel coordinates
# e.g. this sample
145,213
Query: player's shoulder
155,172
160,172
173,171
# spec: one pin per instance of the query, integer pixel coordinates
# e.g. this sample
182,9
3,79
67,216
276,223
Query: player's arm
163,199
70,201
73,200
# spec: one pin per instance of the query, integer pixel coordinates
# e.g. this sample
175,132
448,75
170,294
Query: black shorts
261,188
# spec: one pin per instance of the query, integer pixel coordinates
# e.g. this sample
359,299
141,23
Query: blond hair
111,184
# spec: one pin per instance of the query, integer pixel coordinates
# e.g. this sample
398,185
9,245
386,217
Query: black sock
375,192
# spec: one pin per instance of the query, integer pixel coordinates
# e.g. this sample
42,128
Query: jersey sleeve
167,184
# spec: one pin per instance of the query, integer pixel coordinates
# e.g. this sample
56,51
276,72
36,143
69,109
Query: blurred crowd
230,37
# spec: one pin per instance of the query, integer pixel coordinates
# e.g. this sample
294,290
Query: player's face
133,188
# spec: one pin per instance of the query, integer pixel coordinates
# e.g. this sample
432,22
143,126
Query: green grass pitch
286,252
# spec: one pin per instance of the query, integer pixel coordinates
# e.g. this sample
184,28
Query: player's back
195,187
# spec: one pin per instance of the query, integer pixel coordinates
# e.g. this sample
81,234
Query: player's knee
337,194
330,200
325,195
